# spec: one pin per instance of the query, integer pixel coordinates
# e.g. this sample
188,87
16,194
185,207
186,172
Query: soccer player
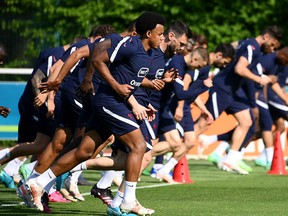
45,121
197,58
87,89
272,65
175,39
35,127
277,99
224,95
129,65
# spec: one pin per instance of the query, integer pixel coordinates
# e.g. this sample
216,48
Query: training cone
278,163
181,172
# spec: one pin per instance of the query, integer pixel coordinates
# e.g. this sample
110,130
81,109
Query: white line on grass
86,194
143,187
11,204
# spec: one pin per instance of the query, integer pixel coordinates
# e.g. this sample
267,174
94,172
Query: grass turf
214,192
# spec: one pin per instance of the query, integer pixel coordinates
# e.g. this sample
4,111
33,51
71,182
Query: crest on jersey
143,72
159,73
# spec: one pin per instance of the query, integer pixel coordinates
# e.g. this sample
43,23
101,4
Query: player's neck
260,39
145,43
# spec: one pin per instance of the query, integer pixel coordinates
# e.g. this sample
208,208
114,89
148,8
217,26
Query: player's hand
124,90
208,117
49,86
178,116
139,111
151,113
158,84
40,99
264,80
170,75
208,82
4,111
50,109
84,88
273,78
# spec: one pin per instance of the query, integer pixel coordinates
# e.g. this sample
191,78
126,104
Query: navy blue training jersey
77,73
200,74
156,71
282,75
266,65
115,39
46,59
178,63
130,63
227,79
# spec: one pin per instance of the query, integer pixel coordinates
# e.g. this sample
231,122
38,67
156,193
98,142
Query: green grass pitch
214,192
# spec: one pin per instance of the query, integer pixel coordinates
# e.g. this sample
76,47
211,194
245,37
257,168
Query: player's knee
175,144
83,154
138,147
247,123
189,144
281,128
57,147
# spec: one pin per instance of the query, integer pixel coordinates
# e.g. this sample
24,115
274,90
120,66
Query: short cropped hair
227,50
200,39
179,28
273,31
148,21
102,30
203,53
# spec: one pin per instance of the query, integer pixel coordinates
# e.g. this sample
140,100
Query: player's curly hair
102,30
148,21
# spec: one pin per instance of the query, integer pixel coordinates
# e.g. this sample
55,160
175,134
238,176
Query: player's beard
170,51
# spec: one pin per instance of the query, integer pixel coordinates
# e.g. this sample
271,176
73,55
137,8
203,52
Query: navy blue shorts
219,101
187,122
277,106
166,122
119,145
265,119
45,125
67,109
28,122
86,111
153,126
114,119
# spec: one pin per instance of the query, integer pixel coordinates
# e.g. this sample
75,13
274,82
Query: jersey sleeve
123,50
68,52
248,50
195,89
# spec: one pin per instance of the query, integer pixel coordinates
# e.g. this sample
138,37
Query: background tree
28,26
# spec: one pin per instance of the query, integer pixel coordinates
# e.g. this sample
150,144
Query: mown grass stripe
8,128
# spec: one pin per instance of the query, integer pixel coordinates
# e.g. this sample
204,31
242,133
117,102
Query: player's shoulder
249,42
80,43
132,44
178,57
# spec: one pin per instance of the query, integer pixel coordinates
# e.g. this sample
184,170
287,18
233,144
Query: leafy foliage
49,23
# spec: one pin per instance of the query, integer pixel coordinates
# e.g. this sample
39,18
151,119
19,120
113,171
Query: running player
130,57
228,80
